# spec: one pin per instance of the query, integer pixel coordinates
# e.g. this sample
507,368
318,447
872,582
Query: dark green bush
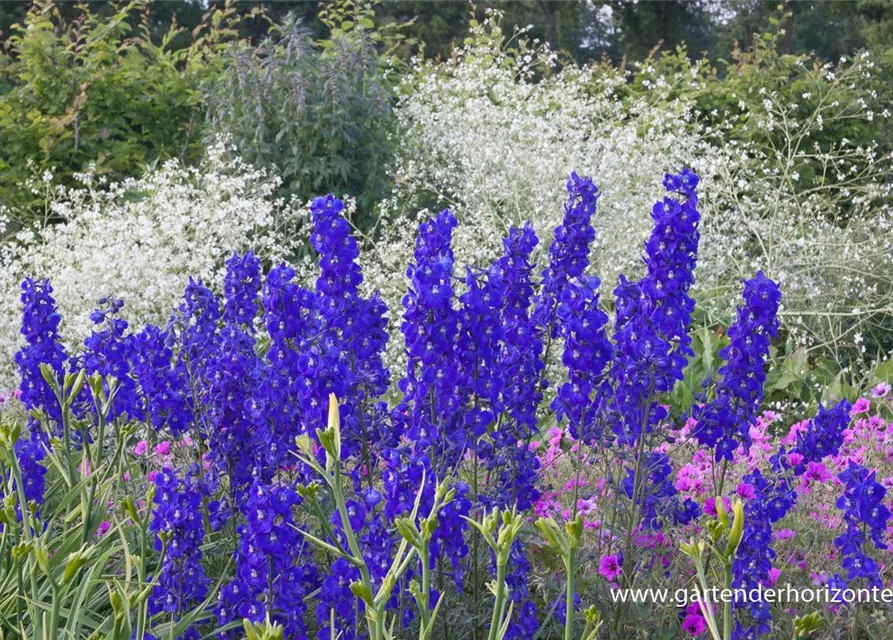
320,112
98,91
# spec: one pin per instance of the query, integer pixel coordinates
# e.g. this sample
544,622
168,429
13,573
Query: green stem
424,600
54,613
141,572
496,619
569,594
727,606
26,521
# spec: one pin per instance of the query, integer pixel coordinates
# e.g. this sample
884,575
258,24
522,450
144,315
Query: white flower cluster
140,240
494,136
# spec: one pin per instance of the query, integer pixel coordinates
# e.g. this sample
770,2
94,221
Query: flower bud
721,512
737,531
77,385
362,592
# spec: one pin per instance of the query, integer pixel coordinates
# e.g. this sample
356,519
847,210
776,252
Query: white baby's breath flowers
140,240
494,137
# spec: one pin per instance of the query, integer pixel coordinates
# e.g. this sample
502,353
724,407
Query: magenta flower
817,472
785,534
880,390
694,625
795,459
746,491
609,567
862,405
163,448
140,448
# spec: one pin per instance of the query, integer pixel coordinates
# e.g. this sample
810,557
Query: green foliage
98,91
320,112
739,87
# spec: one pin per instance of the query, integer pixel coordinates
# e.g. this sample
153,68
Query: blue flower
724,422
240,289
652,344
863,512
182,581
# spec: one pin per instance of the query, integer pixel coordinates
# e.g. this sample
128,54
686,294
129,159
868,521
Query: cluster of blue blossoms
723,424
244,376
863,513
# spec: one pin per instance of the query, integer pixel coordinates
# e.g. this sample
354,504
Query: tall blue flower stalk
651,339
587,354
866,517
273,571
430,328
773,500
40,327
177,523
109,352
291,319
163,383
353,336
234,385
479,379
520,360
568,253
724,423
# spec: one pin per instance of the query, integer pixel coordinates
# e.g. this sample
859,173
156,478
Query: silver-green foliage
320,111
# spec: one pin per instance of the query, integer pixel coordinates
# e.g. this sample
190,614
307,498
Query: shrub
98,92
316,113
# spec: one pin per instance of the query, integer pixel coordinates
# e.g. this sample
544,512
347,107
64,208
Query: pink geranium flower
163,448
862,405
817,472
746,491
785,534
609,567
880,390
694,625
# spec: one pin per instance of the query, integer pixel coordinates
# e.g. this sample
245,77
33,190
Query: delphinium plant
250,470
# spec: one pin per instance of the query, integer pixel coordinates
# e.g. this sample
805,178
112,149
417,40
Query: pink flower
880,390
746,491
785,534
586,506
795,458
152,474
694,625
609,567
163,448
774,575
862,405
140,448
817,472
